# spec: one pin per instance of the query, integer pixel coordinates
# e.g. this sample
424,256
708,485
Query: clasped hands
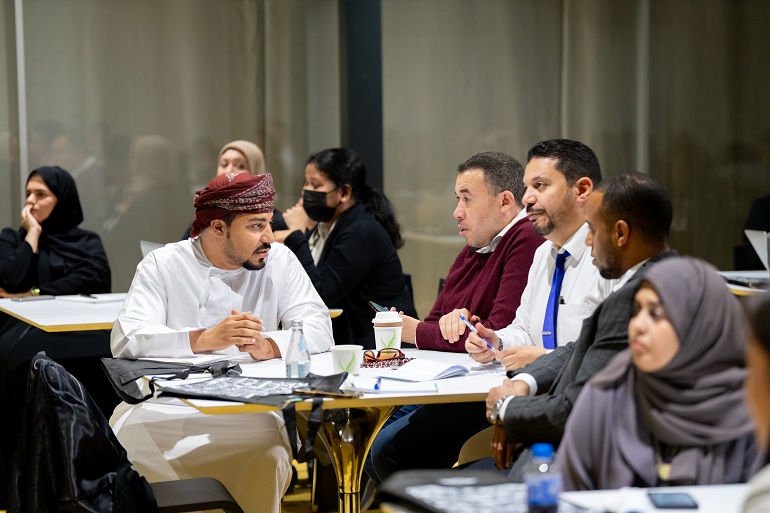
243,330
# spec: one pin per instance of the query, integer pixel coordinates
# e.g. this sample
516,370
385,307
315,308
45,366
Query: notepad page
422,369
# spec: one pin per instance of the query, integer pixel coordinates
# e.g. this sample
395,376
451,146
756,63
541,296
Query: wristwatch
494,415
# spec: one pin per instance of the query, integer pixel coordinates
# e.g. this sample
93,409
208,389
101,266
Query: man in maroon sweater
484,284
486,280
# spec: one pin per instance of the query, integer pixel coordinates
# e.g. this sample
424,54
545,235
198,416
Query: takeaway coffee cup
387,330
347,358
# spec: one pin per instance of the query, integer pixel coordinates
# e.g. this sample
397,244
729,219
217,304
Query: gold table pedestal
347,434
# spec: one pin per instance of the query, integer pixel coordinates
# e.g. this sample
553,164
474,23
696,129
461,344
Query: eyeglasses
384,358
383,354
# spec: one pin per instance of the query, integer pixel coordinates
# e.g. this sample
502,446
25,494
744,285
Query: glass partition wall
673,89
136,98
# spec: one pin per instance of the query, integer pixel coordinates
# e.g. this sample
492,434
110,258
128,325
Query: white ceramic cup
347,358
387,330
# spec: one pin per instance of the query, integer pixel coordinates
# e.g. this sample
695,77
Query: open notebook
422,369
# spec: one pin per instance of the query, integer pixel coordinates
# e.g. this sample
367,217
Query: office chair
62,424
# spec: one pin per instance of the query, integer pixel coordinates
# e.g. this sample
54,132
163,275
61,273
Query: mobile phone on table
376,307
31,298
672,500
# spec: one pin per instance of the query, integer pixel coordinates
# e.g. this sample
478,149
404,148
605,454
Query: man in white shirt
629,218
559,176
227,289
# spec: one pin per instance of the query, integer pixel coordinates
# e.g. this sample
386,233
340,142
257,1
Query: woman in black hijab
49,254
669,410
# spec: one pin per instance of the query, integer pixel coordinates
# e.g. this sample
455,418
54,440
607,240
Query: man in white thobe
226,289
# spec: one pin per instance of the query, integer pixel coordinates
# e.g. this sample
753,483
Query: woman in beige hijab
243,157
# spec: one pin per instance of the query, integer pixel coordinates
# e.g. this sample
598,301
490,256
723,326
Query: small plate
335,312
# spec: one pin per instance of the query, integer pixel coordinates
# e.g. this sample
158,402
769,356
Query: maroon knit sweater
488,285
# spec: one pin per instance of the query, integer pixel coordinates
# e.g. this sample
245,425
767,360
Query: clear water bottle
543,481
298,358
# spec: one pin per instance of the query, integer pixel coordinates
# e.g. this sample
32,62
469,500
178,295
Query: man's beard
612,269
544,230
253,267
248,264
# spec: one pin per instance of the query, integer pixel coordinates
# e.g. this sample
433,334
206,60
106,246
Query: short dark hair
502,172
573,159
639,200
343,166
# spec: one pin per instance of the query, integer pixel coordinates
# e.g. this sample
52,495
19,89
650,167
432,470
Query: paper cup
387,330
347,358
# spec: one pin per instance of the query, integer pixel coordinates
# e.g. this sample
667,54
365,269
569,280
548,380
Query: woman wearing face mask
669,410
757,388
349,233
49,254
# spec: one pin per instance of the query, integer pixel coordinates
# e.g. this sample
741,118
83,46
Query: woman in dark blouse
349,248
49,254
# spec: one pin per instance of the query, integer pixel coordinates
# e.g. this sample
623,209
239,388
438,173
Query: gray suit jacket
565,370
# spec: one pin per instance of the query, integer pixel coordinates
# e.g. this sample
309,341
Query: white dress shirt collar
576,244
628,275
489,248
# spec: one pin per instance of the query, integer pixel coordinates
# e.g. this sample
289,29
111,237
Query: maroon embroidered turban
232,192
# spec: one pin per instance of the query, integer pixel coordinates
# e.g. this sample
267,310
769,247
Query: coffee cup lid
386,317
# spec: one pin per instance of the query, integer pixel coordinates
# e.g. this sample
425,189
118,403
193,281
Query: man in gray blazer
629,217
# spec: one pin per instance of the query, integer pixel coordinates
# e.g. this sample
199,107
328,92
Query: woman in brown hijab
669,410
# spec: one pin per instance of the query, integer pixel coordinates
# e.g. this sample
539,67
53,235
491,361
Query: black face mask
314,203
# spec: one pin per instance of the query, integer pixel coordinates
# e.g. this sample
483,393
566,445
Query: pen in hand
474,330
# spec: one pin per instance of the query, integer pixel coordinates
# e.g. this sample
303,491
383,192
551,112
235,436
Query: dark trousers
427,437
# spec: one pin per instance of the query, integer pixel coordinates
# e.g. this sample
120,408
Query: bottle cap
542,450
387,318
296,323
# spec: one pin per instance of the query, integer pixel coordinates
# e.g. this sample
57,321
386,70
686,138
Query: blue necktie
552,310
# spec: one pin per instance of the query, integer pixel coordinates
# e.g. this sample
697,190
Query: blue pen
378,384
474,330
